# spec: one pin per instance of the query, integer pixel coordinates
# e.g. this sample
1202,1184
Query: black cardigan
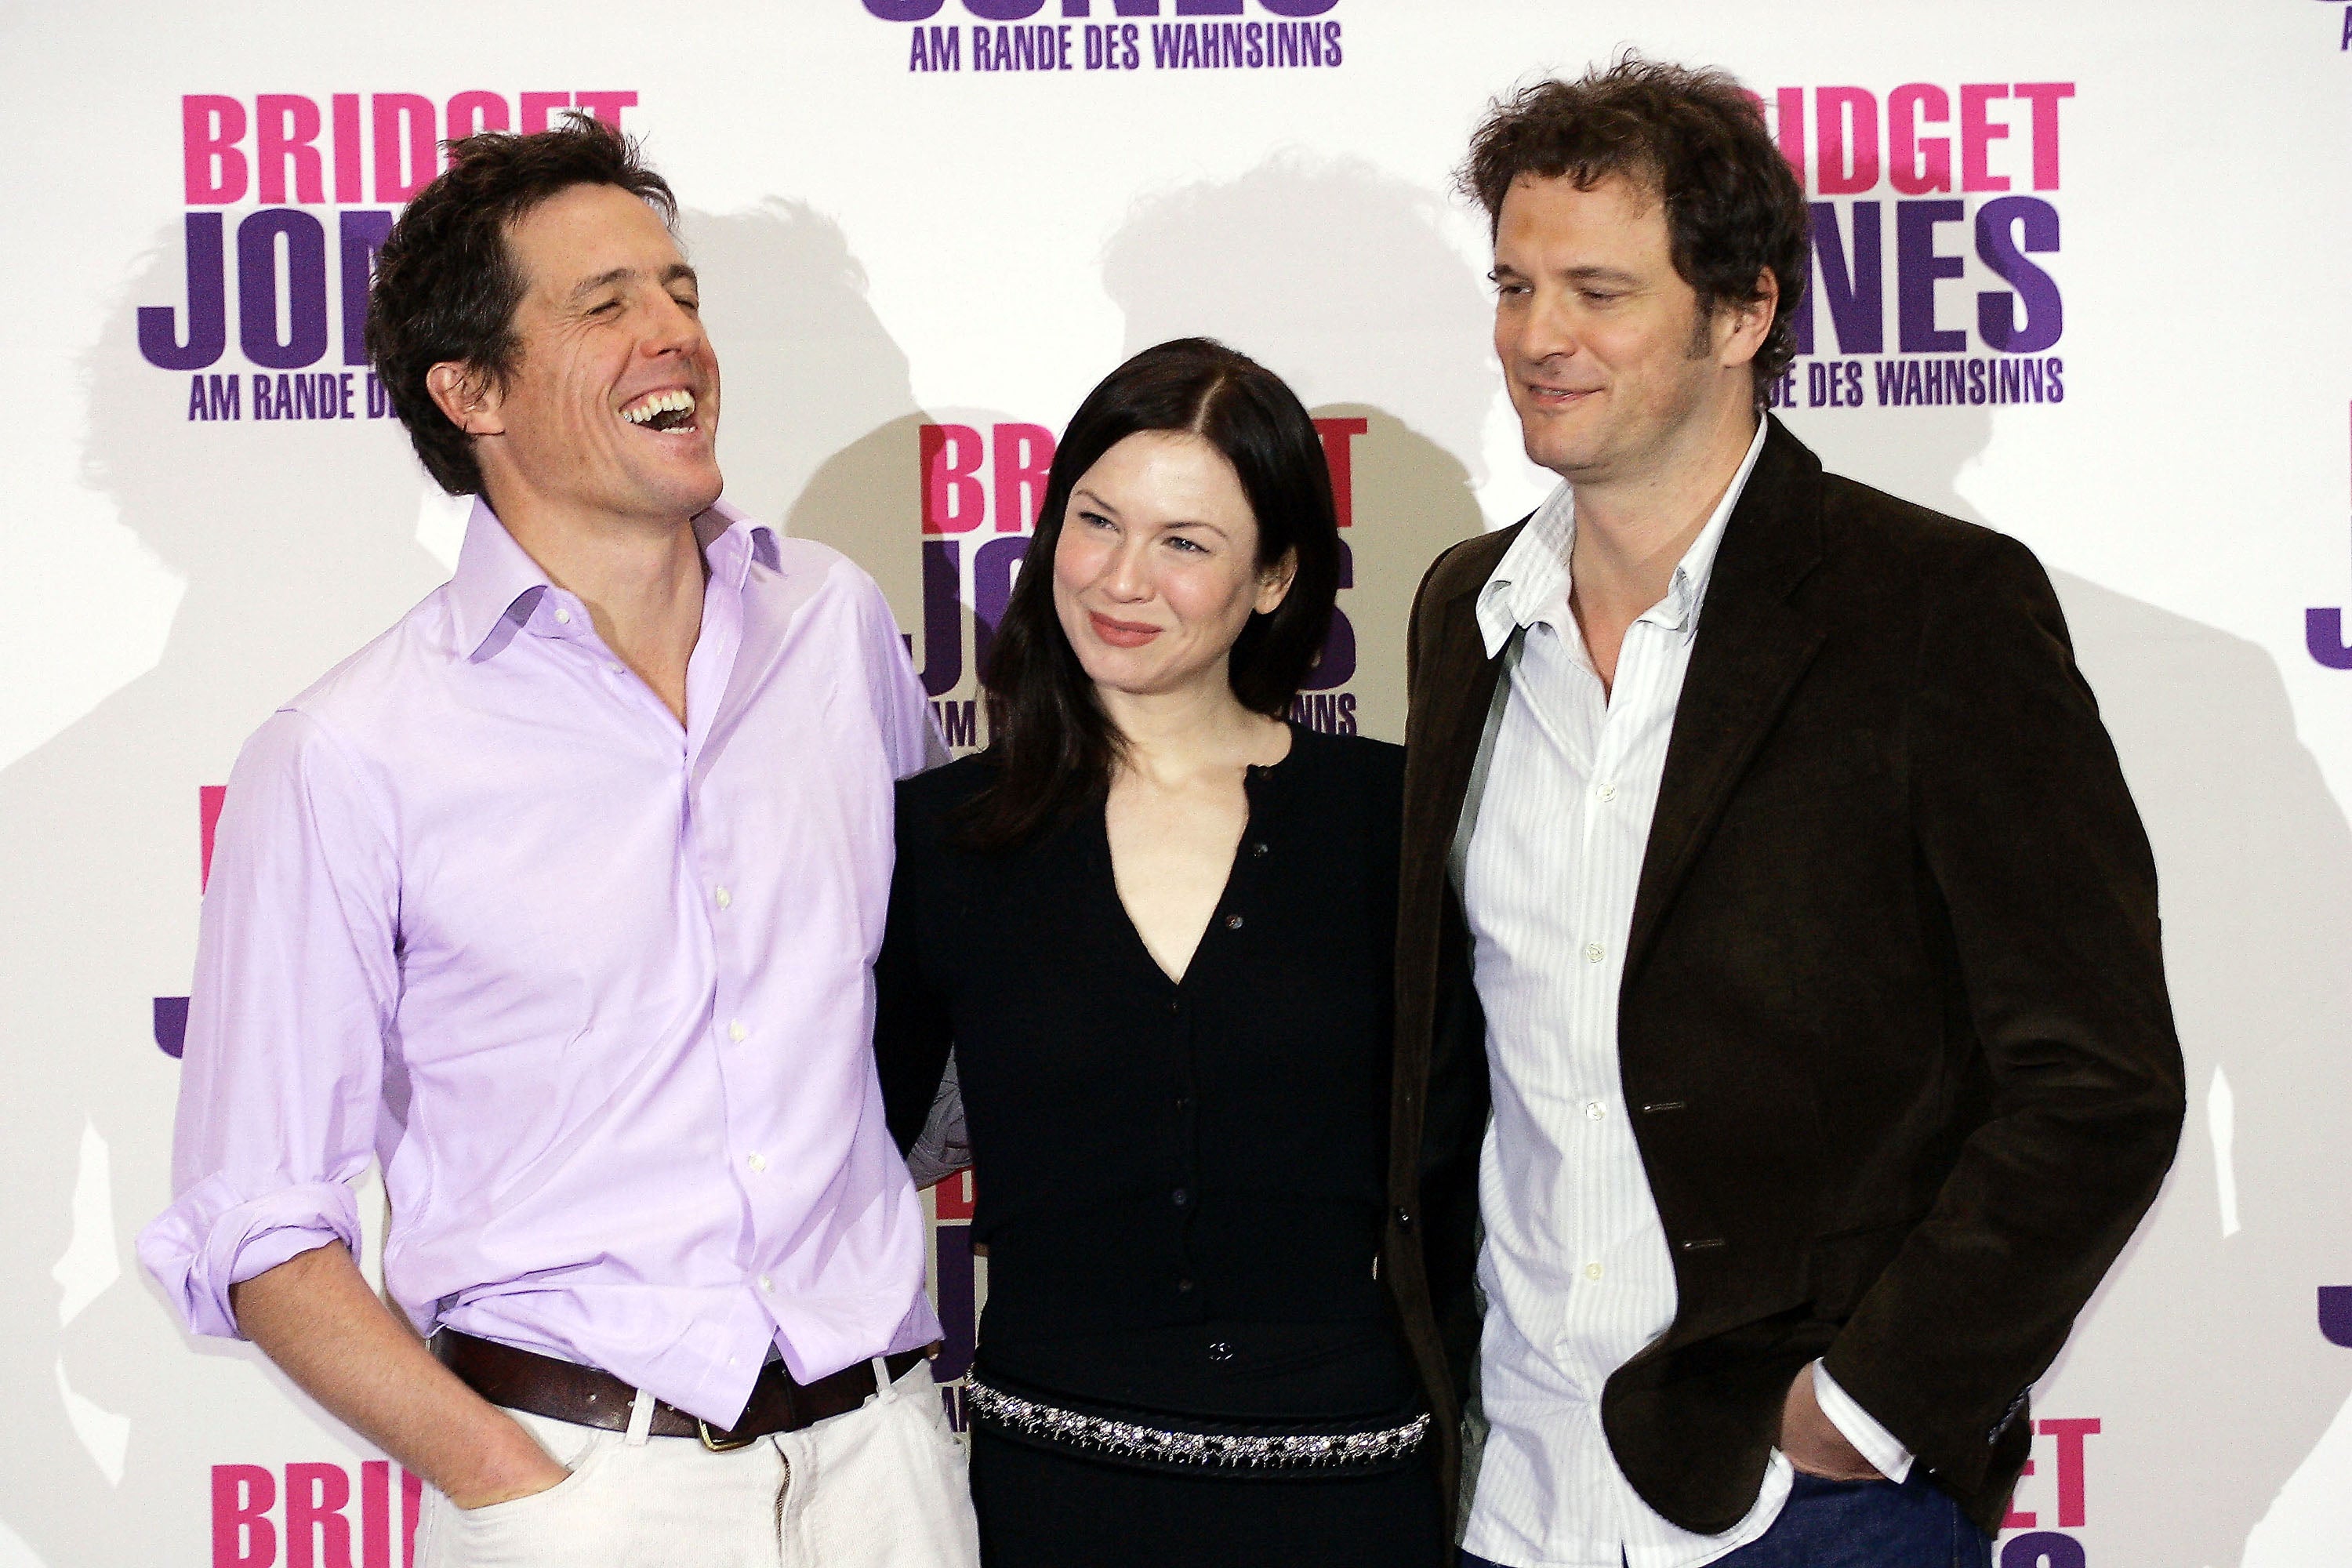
1179,1186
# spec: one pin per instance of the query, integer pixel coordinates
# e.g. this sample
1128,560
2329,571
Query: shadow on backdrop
821,422
2201,1355
820,426
1336,276
296,541
818,417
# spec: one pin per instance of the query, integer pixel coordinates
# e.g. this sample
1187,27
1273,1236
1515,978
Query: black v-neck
1253,779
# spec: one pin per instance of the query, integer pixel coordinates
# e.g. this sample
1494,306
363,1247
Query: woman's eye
1181,543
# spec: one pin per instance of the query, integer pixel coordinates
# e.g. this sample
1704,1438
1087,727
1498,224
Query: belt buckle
719,1445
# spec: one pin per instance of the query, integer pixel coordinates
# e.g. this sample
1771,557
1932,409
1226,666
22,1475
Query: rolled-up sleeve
295,987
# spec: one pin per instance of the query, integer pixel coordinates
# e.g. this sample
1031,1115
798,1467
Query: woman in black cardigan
1153,921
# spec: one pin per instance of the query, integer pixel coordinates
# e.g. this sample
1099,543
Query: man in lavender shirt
558,899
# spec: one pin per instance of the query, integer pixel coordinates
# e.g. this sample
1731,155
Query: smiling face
1611,365
1155,570
613,407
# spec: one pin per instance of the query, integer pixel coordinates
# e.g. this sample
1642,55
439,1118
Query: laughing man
557,900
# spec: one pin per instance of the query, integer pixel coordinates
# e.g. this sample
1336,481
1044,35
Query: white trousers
881,1487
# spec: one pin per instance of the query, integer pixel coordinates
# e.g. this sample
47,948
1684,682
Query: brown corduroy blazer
1893,1028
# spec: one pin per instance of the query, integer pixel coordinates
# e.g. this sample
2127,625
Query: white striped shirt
1575,1265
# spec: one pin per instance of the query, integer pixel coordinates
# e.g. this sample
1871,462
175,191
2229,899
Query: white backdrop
886,248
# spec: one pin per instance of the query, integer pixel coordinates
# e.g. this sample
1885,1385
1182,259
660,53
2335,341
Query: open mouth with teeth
667,411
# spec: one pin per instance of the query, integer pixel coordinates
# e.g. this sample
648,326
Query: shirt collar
497,581
732,542
1531,582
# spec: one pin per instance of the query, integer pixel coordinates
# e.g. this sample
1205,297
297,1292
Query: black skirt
1040,1508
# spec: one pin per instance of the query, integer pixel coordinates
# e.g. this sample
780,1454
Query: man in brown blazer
1778,970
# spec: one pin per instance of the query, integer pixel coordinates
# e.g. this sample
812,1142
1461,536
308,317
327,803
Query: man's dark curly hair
446,284
1695,139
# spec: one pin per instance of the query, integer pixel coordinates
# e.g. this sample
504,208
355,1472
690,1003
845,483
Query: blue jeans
1858,1524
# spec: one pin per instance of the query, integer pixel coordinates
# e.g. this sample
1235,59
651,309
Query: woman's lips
1121,634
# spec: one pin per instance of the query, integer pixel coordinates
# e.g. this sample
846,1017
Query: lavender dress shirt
592,987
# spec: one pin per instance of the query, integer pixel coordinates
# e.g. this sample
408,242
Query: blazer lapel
1453,691
1453,685
1750,650
1462,681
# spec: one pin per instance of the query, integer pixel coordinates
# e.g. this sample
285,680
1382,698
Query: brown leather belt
562,1391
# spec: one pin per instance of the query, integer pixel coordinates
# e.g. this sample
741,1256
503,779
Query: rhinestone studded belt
1153,1445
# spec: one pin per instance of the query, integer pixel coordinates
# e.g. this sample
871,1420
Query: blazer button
1404,1219
1220,1351
1232,922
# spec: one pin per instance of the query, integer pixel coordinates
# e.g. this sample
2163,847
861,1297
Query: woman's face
1156,570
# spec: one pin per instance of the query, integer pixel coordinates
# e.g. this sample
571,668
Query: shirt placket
1636,744
1184,1178
738,1031
1612,796
1563,696
710,886
1602,726
710,667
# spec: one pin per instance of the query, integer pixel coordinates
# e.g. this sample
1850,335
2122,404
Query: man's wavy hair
445,282
1695,139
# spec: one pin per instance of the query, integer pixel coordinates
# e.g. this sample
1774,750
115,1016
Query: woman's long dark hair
1052,745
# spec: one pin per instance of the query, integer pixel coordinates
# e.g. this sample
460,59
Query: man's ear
1742,328
470,397
1274,583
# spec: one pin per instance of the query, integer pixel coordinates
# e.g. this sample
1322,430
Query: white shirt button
1593,954
562,617
736,1031
768,1284
734,1361
724,898
1607,791
757,1161
1592,1271
1594,1111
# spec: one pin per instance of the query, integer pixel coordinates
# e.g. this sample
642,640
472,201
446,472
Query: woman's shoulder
926,799
1356,784
1358,759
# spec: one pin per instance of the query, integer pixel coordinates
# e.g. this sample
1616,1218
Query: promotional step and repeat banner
2078,276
